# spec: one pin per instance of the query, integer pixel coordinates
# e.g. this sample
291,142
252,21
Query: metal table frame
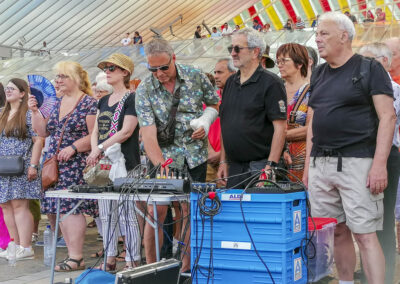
152,199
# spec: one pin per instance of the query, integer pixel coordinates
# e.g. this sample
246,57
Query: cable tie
167,162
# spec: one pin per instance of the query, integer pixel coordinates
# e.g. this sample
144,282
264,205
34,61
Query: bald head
394,45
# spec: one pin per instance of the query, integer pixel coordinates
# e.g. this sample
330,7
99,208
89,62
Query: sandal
92,224
65,267
111,268
97,254
119,257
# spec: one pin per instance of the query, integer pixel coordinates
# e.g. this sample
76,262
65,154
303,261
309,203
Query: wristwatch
101,147
34,166
272,164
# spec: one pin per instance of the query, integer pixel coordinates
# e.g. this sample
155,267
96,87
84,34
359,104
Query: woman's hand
32,103
32,173
66,154
93,157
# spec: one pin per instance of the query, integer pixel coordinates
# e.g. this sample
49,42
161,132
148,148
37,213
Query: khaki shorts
344,195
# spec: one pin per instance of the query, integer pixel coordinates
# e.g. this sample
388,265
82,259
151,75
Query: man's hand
222,174
214,157
377,179
200,133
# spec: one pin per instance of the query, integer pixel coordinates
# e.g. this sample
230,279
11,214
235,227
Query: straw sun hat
120,60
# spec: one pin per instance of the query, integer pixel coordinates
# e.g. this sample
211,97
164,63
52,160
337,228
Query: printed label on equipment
235,197
296,221
236,245
297,269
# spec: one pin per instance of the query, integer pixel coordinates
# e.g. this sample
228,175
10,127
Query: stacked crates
223,252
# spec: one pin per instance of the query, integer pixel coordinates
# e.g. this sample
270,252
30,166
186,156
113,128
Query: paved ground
35,272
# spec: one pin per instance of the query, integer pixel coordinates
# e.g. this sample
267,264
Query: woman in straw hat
74,112
117,123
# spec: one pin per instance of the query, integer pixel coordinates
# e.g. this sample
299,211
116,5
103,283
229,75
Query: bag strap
175,104
292,118
117,113
65,124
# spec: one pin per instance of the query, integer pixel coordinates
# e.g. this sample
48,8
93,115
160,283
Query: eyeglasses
9,89
111,68
61,76
282,60
162,67
237,48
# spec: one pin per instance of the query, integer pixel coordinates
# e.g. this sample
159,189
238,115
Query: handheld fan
44,92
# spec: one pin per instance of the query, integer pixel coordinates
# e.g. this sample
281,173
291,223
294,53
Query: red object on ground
4,235
320,223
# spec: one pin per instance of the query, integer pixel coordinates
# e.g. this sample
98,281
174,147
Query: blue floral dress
19,187
70,172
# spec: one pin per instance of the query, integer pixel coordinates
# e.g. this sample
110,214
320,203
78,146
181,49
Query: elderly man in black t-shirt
253,114
348,146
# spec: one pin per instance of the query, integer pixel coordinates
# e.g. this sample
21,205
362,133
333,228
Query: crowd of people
334,126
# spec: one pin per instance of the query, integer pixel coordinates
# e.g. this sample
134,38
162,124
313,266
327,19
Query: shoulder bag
13,165
166,131
50,166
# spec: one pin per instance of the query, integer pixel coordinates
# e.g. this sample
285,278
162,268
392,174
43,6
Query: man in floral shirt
154,99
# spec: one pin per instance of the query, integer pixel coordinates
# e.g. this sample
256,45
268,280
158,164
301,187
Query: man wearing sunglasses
171,85
252,112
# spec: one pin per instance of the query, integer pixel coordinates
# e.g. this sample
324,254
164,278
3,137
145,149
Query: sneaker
23,254
3,253
35,237
60,243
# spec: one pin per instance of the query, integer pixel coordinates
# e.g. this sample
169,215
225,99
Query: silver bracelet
223,162
34,166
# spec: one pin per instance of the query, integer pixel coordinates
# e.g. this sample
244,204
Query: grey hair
101,83
157,46
254,40
342,21
229,63
377,49
312,53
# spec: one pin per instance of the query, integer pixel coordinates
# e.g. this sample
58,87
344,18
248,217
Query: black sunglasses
110,68
237,48
162,67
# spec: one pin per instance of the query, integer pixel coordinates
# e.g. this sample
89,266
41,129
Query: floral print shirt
153,100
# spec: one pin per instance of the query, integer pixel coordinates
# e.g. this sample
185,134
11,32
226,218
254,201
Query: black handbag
166,131
13,165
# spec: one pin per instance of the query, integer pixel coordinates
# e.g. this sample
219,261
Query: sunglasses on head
162,67
110,68
236,48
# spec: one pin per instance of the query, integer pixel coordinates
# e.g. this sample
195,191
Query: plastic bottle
11,253
48,246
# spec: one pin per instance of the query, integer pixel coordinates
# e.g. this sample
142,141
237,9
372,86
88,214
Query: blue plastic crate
237,262
272,218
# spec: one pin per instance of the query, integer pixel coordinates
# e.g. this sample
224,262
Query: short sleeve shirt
130,148
344,113
247,111
153,100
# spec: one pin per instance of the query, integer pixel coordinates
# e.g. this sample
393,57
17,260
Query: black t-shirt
197,34
344,114
130,148
247,111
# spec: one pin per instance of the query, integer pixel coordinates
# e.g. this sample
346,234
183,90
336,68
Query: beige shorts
344,195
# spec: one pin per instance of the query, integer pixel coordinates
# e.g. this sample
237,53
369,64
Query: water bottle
48,246
11,253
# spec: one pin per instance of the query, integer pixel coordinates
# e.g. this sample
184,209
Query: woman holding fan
69,127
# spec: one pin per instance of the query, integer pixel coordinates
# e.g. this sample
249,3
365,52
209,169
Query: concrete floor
35,272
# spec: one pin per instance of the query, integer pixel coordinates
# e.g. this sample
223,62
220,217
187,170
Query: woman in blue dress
75,145
17,138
